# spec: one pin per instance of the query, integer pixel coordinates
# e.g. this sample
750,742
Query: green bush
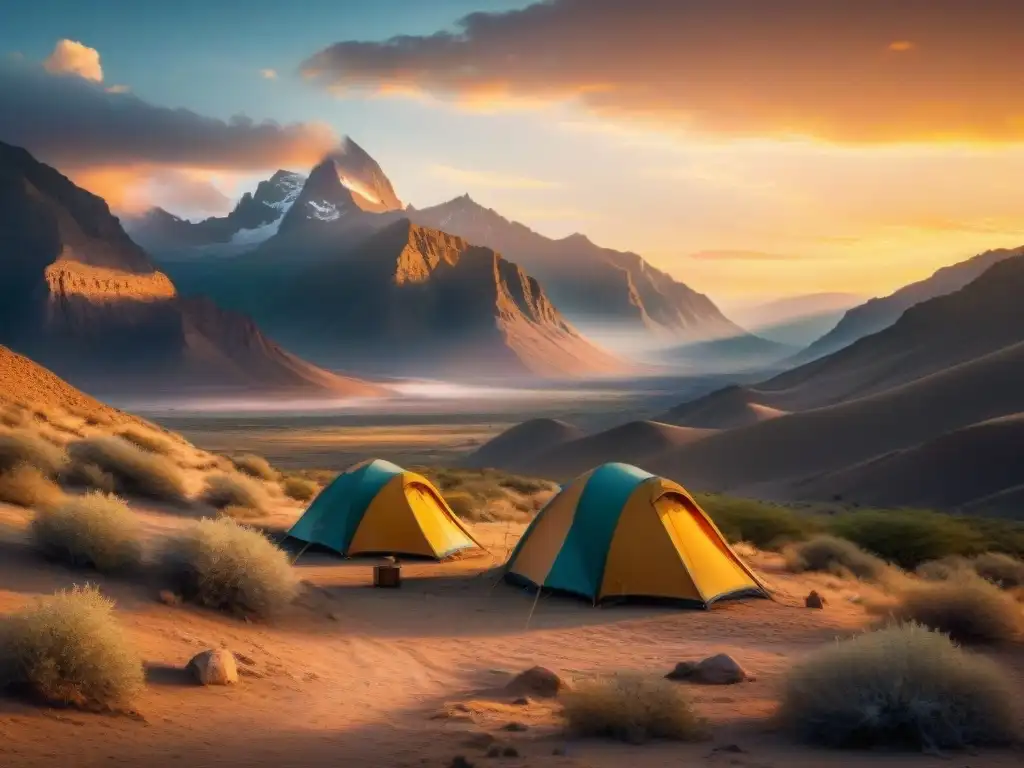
906,538
766,526
299,488
228,567
69,649
24,447
632,708
235,491
135,472
837,556
903,686
255,466
967,608
91,531
26,486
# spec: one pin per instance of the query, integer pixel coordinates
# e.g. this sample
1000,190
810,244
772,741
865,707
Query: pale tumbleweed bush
299,488
235,490
1002,570
632,708
229,567
135,472
149,440
24,447
836,556
966,607
26,486
254,466
90,531
69,649
900,686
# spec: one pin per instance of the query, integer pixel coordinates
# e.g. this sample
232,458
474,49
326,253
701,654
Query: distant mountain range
796,320
80,297
347,196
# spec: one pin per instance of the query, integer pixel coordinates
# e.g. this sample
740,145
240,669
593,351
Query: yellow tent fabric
618,531
377,507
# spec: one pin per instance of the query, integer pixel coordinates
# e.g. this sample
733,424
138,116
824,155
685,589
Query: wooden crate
387,576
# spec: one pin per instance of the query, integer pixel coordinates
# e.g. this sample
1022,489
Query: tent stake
301,551
533,608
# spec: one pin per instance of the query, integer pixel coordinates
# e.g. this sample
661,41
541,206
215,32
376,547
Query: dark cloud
841,70
71,122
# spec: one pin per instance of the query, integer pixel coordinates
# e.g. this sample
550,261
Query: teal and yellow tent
376,507
618,531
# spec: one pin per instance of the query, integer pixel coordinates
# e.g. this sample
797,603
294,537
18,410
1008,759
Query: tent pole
533,608
301,551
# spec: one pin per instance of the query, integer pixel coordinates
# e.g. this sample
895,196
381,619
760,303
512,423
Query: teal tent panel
579,566
334,516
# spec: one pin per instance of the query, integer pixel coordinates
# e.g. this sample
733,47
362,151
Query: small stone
480,740
720,669
494,751
682,670
459,761
558,751
510,751
814,600
522,701
214,667
536,681
515,727
169,598
734,748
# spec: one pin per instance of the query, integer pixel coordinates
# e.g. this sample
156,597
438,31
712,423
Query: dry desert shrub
907,538
229,567
255,466
944,568
89,476
299,488
839,557
235,490
91,531
69,649
900,686
632,708
26,486
25,447
135,472
967,608
1001,569
15,416
149,440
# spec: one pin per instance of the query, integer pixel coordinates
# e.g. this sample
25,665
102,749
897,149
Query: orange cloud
742,256
134,189
490,179
727,67
70,57
117,89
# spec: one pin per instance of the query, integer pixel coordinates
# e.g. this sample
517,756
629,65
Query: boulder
214,667
720,669
536,681
814,600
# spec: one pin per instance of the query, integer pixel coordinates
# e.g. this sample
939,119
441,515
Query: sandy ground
364,677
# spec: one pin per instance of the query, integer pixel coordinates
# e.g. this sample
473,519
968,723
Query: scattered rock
814,600
558,751
459,761
510,751
522,701
515,727
494,751
214,667
720,669
169,598
536,681
733,748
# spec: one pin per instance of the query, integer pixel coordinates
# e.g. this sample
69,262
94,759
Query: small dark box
387,576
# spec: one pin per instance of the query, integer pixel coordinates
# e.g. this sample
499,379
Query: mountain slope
516,444
589,284
727,408
254,219
796,320
78,296
878,314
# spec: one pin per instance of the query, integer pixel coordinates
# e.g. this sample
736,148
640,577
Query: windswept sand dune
800,445
516,444
727,408
632,443
952,470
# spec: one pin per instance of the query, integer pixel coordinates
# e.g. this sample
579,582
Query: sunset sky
753,148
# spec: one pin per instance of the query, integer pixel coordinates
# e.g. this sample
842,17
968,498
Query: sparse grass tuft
766,526
836,556
234,490
632,708
26,486
902,686
299,488
967,608
25,447
91,531
489,495
255,466
69,649
135,472
228,567
148,440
